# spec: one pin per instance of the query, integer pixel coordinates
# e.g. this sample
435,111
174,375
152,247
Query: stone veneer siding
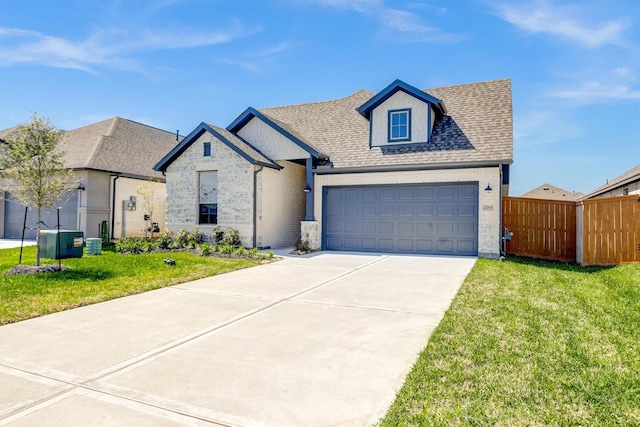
488,220
235,189
281,205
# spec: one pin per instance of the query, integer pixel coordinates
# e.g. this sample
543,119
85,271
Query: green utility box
70,244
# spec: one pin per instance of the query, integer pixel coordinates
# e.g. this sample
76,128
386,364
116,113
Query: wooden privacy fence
541,228
603,231
610,231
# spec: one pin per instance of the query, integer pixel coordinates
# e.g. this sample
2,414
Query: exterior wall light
307,189
81,187
488,189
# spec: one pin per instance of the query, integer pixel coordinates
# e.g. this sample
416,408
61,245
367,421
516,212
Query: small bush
252,253
181,240
227,249
217,235
302,245
204,249
165,240
135,245
240,252
195,238
232,237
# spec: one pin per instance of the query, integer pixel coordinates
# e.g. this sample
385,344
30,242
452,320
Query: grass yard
97,278
531,343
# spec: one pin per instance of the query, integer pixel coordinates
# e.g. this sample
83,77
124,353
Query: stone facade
489,203
235,189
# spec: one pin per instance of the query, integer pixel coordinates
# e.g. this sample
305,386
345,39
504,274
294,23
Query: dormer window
399,125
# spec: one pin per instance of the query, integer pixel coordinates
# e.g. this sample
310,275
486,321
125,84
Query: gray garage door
14,217
434,219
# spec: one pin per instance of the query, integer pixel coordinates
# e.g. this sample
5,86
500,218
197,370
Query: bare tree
31,163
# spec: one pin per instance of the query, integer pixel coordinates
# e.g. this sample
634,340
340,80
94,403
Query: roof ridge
94,152
143,124
316,102
469,84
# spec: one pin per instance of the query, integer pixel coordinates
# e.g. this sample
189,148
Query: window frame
207,149
390,125
211,213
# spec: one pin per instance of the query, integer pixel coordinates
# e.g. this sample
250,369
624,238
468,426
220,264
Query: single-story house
623,185
403,170
114,184
551,192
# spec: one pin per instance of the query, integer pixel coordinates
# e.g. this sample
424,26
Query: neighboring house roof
478,128
551,192
237,144
118,145
632,175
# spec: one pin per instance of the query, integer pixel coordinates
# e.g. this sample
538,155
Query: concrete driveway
320,340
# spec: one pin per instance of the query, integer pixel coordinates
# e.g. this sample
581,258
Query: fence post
579,232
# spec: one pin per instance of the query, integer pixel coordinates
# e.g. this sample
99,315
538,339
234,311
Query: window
208,197
207,149
399,125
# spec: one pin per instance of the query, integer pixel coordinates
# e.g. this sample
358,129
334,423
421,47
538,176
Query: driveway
319,340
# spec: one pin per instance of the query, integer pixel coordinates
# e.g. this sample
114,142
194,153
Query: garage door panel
14,217
427,219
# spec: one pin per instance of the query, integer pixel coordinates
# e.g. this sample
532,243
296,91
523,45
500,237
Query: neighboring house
403,171
112,160
551,192
625,184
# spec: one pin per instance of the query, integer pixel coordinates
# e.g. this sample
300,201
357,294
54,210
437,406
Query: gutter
326,170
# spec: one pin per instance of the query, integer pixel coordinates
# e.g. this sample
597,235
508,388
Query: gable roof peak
395,86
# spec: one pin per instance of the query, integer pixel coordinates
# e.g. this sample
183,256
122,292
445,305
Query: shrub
227,249
217,235
240,252
166,239
181,240
195,238
204,249
302,245
135,245
252,253
232,237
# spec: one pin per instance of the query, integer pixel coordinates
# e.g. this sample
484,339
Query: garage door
14,218
434,219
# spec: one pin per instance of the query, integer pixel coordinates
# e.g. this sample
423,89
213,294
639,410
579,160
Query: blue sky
575,66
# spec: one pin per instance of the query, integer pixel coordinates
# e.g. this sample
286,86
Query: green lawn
531,343
97,278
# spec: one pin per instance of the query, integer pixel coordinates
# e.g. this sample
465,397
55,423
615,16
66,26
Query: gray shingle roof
118,145
631,175
478,128
551,192
245,147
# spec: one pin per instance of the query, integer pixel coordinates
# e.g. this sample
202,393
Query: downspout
113,204
255,205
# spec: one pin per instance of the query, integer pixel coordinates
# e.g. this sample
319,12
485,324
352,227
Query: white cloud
592,92
395,22
542,17
111,48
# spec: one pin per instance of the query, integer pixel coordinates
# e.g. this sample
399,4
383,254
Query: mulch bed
32,269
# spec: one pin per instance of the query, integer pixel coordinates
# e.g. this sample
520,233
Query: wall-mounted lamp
488,189
81,187
307,189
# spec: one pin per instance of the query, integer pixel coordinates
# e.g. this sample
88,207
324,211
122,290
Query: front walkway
319,340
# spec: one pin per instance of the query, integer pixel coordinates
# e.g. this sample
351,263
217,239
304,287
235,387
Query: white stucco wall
132,221
235,189
94,203
281,205
489,203
399,101
271,143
